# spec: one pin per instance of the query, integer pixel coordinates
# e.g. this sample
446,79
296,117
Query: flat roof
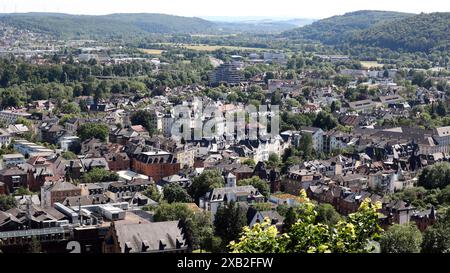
129,175
8,156
156,153
31,232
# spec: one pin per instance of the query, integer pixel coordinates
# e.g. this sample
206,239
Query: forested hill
114,25
334,29
392,30
423,32
122,25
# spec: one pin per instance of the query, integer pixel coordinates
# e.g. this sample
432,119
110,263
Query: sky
239,8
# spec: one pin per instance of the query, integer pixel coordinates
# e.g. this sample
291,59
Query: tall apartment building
228,73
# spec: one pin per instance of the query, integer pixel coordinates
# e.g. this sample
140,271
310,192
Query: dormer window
128,247
145,246
162,244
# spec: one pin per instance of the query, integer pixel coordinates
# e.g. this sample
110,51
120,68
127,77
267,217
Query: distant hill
259,25
423,32
124,25
114,25
334,29
300,22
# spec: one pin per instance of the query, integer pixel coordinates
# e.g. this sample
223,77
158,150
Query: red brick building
2,188
118,161
156,164
243,172
14,178
424,219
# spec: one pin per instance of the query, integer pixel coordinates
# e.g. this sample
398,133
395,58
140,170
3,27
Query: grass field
153,51
209,48
371,64
213,35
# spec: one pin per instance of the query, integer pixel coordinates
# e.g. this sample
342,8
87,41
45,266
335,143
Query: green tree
7,202
335,106
249,162
93,130
435,176
269,75
327,214
325,121
261,185
68,155
274,160
153,193
174,193
208,180
401,239
99,175
145,119
341,80
39,93
353,235
172,212
22,191
229,221
262,238
70,108
276,98
214,244
24,121
200,231
290,219
305,146
436,239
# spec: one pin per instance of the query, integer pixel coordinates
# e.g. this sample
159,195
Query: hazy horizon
261,9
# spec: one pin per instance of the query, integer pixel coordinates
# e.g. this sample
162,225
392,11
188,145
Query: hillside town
109,148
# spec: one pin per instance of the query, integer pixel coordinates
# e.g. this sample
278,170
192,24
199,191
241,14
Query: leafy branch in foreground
307,236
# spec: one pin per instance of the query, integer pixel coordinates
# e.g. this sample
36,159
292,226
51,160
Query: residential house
10,160
125,191
14,178
181,180
442,135
5,138
221,196
297,179
118,161
50,132
398,211
362,105
255,216
11,116
317,137
9,223
424,218
57,192
29,149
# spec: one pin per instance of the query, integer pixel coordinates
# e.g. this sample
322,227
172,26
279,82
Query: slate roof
150,237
